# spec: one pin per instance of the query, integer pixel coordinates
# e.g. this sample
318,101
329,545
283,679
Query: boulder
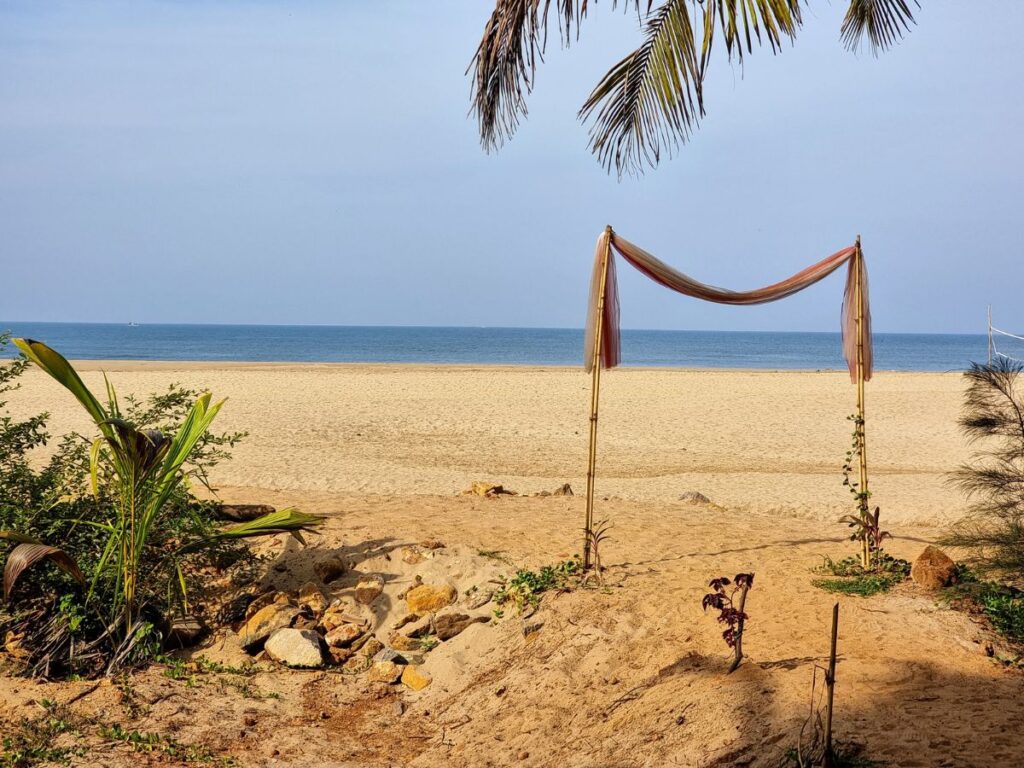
369,589
933,569
429,598
243,513
449,625
311,597
295,648
384,672
265,622
403,643
343,635
330,568
415,677
564,490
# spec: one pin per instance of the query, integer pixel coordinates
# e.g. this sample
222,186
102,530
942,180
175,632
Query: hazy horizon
256,162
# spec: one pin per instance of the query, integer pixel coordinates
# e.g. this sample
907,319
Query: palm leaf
26,555
60,369
883,21
652,100
282,521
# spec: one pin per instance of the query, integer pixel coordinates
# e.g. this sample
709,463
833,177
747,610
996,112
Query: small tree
993,419
731,610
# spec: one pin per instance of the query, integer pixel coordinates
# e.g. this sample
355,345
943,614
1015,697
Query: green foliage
122,508
32,742
851,578
1001,604
993,482
525,588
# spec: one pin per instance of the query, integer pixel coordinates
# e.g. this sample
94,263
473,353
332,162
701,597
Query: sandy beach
631,674
761,441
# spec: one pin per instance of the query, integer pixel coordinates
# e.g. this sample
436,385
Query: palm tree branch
883,21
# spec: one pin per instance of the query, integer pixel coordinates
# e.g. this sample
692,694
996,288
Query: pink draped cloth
670,278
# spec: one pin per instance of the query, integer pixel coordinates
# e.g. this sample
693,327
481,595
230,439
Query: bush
851,578
134,542
993,418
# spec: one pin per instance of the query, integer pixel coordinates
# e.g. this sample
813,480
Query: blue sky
262,161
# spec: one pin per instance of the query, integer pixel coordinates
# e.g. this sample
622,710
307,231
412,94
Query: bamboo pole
830,683
595,393
862,425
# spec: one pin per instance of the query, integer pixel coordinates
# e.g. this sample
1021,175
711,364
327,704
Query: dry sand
629,675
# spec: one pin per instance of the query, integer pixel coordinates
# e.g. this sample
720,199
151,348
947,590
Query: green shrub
525,588
851,578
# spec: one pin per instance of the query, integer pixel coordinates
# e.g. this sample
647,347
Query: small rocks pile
306,630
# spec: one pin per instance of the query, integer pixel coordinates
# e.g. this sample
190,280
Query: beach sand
631,674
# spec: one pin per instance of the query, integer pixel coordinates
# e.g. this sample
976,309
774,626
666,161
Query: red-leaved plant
731,605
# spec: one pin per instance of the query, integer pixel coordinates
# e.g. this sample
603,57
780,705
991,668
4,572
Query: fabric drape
610,243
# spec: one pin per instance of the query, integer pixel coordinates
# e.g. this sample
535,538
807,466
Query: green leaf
60,369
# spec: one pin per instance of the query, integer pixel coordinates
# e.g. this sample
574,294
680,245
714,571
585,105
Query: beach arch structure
602,341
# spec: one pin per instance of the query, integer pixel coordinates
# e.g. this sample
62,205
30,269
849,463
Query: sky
264,161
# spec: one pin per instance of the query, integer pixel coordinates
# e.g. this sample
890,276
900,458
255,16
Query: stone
343,635
261,602
243,513
371,647
480,598
432,544
532,627
340,613
184,632
330,568
389,654
409,618
340,655
265,622
933,569
449,625
694,497
415,677
403,643
489,489
428,598
384,672
356,665
412,556
295,648
564,490
369,589
311,597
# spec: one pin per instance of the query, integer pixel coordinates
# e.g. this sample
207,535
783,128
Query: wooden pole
595,393
862,426
830,683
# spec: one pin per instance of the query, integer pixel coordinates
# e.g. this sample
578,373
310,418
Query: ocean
491,346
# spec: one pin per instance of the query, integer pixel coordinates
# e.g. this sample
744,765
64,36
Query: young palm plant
145,467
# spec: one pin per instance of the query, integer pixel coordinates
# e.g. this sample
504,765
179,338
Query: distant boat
133,325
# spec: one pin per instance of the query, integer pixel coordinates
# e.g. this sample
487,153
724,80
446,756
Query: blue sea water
515,346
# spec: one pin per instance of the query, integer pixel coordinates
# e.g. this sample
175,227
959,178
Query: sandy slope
630,675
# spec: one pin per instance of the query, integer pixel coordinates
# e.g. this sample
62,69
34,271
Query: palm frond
652,100
883,21
27,554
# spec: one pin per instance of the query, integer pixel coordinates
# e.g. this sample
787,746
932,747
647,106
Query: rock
340,655
694,497
421,628
564,490
384,672
412,556
295,648
480,598
311,597
432,544
184,632
403,643
369,589
339,613
243,513
415,677
449,625
356,665
330,568
389,654
264,622
409,618
261,602
933,569
371,647
532,627
428,598
488,489
343,635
